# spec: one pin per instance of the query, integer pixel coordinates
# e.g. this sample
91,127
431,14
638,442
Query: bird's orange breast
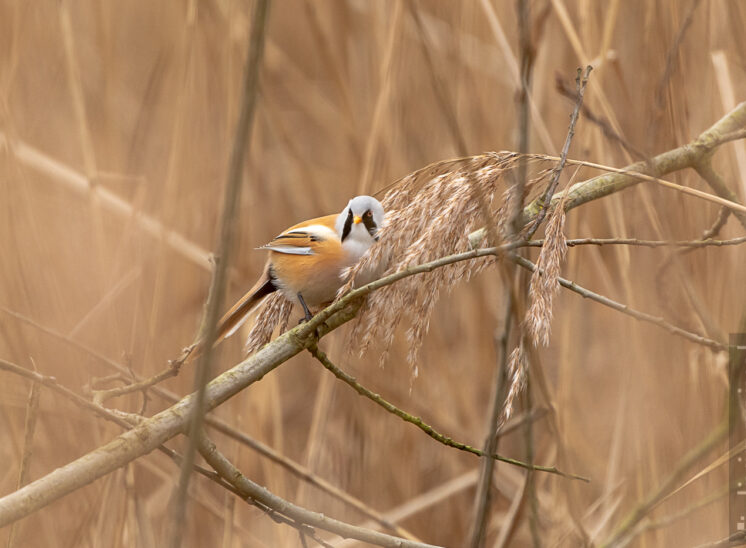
315,276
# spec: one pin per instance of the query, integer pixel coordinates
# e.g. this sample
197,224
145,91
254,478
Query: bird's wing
302,239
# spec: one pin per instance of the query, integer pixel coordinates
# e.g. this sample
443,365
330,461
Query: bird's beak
357,219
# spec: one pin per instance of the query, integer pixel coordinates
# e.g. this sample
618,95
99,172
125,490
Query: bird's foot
305,309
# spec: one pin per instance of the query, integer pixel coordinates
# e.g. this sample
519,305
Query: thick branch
689,155
248,488
151,433
695,154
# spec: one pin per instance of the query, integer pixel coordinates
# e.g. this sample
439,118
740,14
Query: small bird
306,261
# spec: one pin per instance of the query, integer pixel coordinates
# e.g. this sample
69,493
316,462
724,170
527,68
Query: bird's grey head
360,220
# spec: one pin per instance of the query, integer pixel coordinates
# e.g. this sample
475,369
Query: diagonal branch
419,423
624,309
248,488
695,154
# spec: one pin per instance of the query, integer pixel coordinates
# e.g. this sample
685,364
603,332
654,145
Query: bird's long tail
239,312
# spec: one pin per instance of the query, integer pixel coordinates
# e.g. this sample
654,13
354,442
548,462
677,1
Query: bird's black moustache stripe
347,226
370,224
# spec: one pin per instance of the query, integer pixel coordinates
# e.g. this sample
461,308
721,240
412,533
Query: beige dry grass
140,98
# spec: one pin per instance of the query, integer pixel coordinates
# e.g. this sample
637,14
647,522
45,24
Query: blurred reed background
141,98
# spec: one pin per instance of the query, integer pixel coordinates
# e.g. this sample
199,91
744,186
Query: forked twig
580,84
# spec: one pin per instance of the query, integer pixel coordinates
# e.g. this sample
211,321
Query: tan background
142,97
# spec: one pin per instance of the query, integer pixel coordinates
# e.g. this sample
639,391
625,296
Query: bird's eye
368,214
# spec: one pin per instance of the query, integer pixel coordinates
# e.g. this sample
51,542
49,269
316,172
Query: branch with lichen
422,425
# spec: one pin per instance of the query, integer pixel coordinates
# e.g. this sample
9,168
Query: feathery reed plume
429,214
545,279
542,288
517,378
275,311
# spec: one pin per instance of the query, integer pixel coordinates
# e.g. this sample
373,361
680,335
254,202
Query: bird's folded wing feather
301,239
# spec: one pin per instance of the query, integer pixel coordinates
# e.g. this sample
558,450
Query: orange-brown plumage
306,260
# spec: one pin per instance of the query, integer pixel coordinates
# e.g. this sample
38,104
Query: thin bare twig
717,224
693,244
419,423
707,172
564,89
437,83
624,309
527,56
545,200
518,192
672,52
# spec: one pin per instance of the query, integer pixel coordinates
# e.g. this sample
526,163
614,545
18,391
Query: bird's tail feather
239,312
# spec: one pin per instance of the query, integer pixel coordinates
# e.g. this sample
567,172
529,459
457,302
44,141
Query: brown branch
223,427
673,51
604,125
127,420
693,244
692,154
716,182
248,488
419,423
717,224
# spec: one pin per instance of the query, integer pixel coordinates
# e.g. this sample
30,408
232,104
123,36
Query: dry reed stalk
517,377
